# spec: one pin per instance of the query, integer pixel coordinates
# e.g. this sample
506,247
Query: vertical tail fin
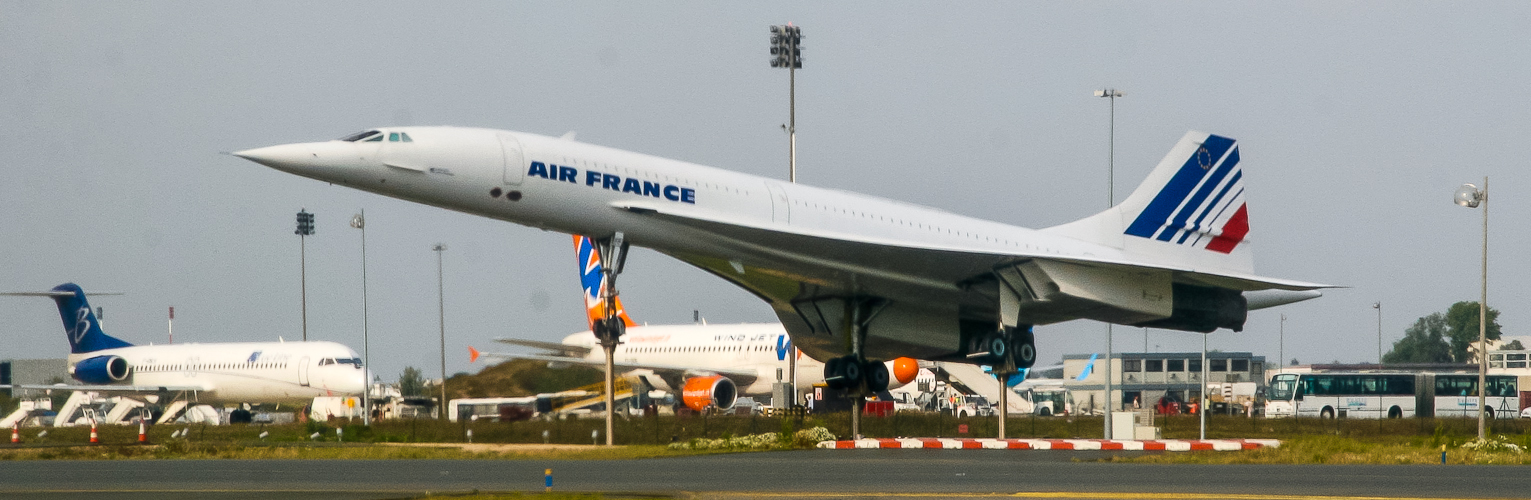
80,323
1189,211
594,282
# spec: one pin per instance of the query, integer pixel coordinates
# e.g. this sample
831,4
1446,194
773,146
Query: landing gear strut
1009,350
609,329
854,373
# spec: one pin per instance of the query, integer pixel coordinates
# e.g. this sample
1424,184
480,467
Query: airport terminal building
1142,379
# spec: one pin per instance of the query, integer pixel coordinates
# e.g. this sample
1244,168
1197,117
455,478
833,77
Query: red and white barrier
1055,444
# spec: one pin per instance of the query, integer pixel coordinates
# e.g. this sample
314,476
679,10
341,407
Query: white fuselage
243,372
924,278
595,190
759,347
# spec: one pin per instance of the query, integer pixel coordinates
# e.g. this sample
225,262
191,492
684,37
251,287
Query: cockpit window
405,135
363,136
342,361
375,138
393,137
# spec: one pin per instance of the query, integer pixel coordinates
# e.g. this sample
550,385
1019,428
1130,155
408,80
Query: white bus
1390,395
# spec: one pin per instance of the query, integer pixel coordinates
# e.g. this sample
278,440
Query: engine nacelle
101,370
903,370
1204,309
717,391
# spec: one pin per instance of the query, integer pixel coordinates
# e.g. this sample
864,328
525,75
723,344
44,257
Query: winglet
472,354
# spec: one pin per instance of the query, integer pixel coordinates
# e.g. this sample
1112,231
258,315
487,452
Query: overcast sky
1357,122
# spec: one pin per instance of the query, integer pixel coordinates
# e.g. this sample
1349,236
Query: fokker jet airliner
707,365
234,372
847,272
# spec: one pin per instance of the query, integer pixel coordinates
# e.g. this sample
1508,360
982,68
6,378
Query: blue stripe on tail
1158,212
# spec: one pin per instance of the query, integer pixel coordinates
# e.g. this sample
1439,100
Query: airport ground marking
1054,444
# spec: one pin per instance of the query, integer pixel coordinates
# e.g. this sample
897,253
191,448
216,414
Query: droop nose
331,160
283,157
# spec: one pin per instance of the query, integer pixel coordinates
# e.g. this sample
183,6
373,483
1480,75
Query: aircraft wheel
833,376
851,371
877,376
1023,348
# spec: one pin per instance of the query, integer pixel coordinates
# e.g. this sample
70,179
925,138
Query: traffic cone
94,439
143,436
16,433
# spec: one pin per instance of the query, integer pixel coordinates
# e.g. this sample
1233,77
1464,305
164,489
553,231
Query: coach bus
1389,395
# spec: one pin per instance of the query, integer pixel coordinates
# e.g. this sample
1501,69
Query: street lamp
1111,94
787,53
1470,196
305,229
1378,307
359,221
441,308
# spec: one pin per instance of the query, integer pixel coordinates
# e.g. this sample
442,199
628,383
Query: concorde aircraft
707,365
847,272
233,372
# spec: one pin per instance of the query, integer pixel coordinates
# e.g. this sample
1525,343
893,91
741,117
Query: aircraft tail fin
1190,210
594,282
80,324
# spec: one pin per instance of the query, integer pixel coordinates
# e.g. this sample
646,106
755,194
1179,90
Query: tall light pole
359,221
1111,94
1470,196
1201,406
1281,345
1378,307
787,53
305,229
441,308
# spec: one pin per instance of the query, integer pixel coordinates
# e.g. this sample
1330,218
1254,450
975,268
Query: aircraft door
515,170
781,209
303,371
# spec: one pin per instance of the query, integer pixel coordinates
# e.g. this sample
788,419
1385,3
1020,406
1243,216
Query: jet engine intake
716,391
1204,309
101,370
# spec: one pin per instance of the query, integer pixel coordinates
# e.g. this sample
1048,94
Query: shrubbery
805,438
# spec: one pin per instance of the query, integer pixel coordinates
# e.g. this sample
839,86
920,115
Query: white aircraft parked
844,271
233,372
708,365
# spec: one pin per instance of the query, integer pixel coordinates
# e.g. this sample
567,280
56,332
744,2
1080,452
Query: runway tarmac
806,474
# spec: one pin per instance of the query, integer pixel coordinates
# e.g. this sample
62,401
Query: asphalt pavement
809,473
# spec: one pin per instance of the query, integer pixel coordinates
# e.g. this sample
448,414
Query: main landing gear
1009,350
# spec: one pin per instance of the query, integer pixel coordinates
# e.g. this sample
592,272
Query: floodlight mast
305,229
1470,196
786,52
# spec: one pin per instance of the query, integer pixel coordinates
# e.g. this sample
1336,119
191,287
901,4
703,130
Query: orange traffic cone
143,437
94,439
16,433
